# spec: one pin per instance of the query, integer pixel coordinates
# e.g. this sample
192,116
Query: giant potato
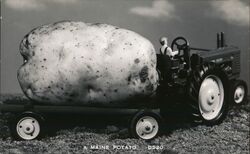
81,63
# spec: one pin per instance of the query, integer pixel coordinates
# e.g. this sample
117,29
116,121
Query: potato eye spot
144,74
137,60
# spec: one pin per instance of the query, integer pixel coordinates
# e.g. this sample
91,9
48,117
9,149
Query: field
75,135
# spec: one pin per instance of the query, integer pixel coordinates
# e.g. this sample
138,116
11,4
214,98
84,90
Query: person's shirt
165,49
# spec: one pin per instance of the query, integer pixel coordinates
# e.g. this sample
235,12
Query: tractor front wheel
238,92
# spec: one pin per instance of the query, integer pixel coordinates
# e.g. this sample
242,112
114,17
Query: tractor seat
163,62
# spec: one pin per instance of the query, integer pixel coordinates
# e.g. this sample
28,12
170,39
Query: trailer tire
27,126
145,125
209,92
238,92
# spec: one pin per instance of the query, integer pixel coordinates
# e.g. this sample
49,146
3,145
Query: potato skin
82,63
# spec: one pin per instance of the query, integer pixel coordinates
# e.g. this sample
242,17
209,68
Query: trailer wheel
145,125
210,92
238,92
27,126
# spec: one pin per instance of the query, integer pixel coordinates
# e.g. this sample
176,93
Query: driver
165,49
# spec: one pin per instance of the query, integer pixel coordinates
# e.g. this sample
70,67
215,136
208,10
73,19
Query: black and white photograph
125,76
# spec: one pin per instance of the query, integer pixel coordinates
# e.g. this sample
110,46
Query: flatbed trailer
47,109
30,118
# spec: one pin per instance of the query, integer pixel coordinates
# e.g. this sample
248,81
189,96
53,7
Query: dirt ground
180,136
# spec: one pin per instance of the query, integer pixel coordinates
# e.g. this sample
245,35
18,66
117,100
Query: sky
197,20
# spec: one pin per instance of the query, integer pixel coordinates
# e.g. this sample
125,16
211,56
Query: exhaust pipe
222,39
218,40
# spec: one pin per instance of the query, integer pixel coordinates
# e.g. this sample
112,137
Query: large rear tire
209,93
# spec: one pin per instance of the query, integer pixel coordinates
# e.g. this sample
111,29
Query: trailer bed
67,109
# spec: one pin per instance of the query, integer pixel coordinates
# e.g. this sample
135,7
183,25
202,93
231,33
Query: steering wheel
180,43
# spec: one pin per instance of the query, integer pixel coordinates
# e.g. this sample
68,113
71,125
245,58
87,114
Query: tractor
208,78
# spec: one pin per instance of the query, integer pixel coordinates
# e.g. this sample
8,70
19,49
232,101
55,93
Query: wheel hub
27,128
210,97
148,128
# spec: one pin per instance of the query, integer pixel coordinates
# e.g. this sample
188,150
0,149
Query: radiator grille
236,63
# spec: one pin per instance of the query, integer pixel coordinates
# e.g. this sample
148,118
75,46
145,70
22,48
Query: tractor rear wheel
209,91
